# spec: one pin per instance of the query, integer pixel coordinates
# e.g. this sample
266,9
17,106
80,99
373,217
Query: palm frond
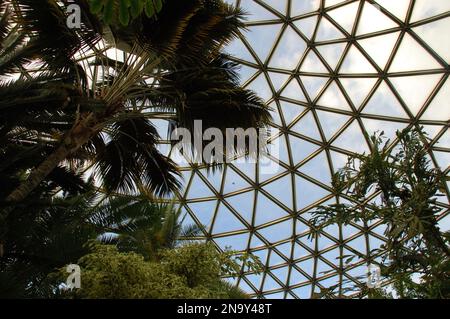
46,20
130,159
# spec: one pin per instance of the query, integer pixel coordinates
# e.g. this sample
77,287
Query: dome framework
332,71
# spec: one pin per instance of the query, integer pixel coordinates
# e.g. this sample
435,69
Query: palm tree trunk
39,174
79,135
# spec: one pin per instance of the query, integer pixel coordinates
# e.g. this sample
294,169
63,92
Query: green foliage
137,225
124,10
233,262
186,272
146,236
189,258
399,188
40,237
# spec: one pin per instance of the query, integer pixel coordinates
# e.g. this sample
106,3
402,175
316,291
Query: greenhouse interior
314,161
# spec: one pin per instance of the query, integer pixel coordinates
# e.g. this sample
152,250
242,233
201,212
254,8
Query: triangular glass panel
281,189
439,41
443,162
279,5
234,182
281,274
329,282
412,57
306,26
433,130
268,168
355,62
257,12
185,177
373,20
261,87
255,280
331,122
384,103
372,46
267,211
204,211
352,139
308,246
302,7
243,204
438,109
322,267
332,255
237,49
235,242
424,9
255,243
313,85
307,266
248,168
260,36
358,244
275,113
301,229
307,193
332,53
329,3
278,79
293,91
283,154
303,292
338,159
276,259
246,73
214,178
327,31
277,232
226,221
444,140
415,90
312,64
199,189
270,283
285,249
186,218
307,126
358,88
345,15
317,168
301,149
399,8
334,98
289,51
290,111
348,231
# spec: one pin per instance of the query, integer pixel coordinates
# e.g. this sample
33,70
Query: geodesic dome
331,70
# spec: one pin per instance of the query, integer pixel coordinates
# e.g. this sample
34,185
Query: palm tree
73,106
108,120
45,232
135,224
50,232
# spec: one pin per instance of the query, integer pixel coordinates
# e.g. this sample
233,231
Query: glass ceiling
330,69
